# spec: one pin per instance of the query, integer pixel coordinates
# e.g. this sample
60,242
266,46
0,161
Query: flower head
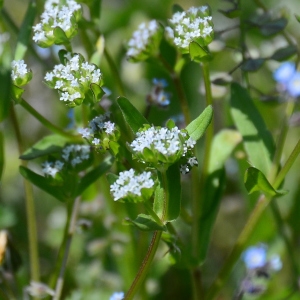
161,147
195,24
255,257
55,16
101,132
74,79
144,41
20,74
72,155
132,187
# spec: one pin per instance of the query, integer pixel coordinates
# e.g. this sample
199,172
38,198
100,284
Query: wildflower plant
151,179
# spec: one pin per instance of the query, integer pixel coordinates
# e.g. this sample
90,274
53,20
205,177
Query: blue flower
255,257
285,72
293,85
117,296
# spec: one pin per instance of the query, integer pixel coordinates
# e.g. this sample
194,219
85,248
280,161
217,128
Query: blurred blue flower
293,86
255,257
275,263
288,78
117,296
160,82
285,72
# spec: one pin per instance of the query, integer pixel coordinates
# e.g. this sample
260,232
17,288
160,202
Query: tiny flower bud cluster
56,15
100,132
161,147
185,168
193,25
288,79
132,187
71,155
158,96
73,79
19,73
144,41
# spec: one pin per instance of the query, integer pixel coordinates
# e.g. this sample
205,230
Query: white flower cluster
99,130
165,141
144,40
194,24
56,15
72,154
19,71
129,184
73,79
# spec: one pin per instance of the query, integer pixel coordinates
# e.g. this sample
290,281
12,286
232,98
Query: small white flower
39,290
117,296
184,169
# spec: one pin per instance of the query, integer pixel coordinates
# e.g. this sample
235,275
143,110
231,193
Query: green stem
45,122
115,72
249,228
175,75
30,208
144,268
71,227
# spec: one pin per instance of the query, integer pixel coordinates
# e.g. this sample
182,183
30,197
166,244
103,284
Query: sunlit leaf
131,115
255,180
25,31
198,126
146,223
223,145
257,140
98,92
47,145
198,53
60,36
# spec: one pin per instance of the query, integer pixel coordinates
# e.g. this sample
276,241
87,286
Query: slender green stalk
115,72
30,208
144,268
71,225
260,207
45,122
175,75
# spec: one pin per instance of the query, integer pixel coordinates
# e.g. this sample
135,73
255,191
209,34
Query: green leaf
43,183
146,223
47,145
174,191
17,93
222,146
97,92
257,140
177,8
273,27
60,36
5,84
62,56
131,115
111,178
93,175
1,154
255,180
25,31
252,65
283,54
198,53
198,126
